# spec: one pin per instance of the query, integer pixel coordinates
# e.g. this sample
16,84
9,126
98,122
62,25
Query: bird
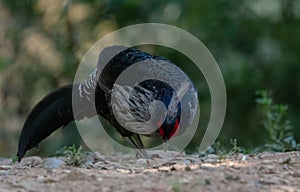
159,99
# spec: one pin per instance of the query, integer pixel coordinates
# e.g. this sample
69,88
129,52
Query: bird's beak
165,145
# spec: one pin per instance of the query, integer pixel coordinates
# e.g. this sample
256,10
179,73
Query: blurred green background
256,44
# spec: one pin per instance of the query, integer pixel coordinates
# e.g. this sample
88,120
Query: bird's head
160,106
170,126
168,129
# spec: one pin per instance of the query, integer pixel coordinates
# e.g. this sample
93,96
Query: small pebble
31,161
296,173
88,164
212,156
5,167
141,162
244,157
53,163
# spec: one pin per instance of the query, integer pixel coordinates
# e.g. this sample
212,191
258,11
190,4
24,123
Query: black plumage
52,112
100,95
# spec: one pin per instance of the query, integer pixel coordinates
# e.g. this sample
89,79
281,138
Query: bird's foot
142,153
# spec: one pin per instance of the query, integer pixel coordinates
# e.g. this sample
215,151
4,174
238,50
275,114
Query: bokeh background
256,44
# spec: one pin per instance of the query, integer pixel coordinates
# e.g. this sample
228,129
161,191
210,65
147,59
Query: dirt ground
261,172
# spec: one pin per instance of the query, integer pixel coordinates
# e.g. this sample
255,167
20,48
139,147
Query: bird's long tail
52,112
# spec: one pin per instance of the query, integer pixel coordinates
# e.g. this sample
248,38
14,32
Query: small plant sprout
74,156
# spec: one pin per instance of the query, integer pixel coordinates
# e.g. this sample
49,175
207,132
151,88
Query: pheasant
155,104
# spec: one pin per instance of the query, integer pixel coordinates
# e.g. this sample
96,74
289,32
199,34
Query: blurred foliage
256,44
280,130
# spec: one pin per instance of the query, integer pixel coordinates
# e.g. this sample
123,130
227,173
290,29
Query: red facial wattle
172,133
175,128
161,132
